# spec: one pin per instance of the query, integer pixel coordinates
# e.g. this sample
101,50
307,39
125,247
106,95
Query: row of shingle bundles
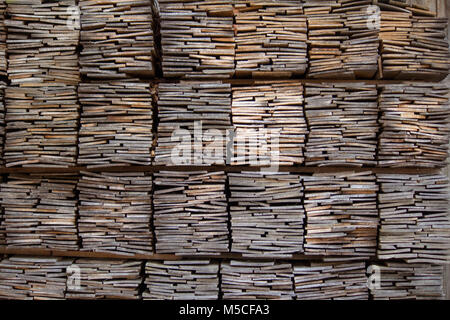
414,218
115,211
3,62
2,120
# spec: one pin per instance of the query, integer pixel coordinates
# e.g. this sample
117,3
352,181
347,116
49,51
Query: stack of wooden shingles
341,214
415,225
396,280
2,120
414,124
256,280
115,212
181,280
326,281
40,211
197,39
190,214
193,121
342,119
269,124
343,43
33,278
106,279
266,213
42,109
414,44
3,62
270,38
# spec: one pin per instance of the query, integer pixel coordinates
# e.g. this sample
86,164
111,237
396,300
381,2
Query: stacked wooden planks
266,213
415,225
193,121
40,211
33,278
341,214
3,61
115,211
330,281
190,213
269,124
414,125
342,119
402,281
116,123
2,120
181,280
271,38
197,39
117,39
106,279
250,280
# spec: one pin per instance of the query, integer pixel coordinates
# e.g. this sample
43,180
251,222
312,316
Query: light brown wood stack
415,225
193,121
342,119
107,279
116,123
402,281
40,211
190,213
181,280
414,125
269,124
117,39
331,281
197,39
266,213
33,278
3,61
250,280
115,212
270,38
341,214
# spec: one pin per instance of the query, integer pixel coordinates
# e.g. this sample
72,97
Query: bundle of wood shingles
193,121
197,39
3,62
269,124
117,39
397,280
342,119
414,125
190,213
181,280
42,109
115,212
266,213
271,38
40,211
414,218
2,120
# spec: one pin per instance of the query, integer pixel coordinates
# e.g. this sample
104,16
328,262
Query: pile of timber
401,281
116,123
342,119
251,280
197,39
190,213
2,225
414,125
3,62
331,281
193,121
117,39
2,120
343,43
42,42
40,211
415,225
266,213
106,279
181,280
33,278
115,212
341,214
271,38
269,124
